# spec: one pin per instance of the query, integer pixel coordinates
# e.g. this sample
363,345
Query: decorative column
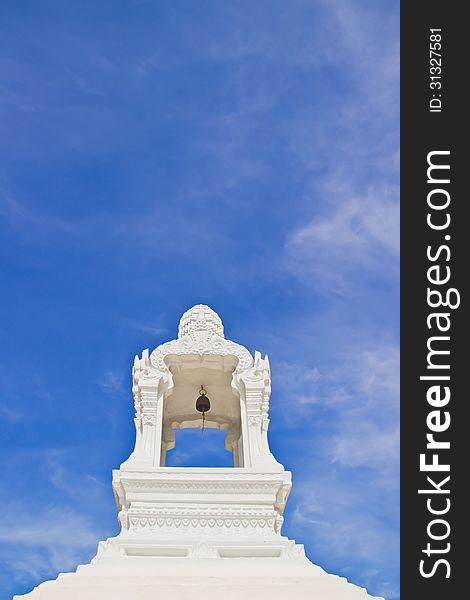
257,390
148,403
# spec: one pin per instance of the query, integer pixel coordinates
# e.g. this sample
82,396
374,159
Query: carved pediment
200,332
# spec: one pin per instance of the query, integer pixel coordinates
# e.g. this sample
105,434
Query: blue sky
159,154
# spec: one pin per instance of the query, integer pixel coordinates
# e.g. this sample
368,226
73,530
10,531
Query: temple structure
191,533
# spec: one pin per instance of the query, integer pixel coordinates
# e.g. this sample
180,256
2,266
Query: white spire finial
200,318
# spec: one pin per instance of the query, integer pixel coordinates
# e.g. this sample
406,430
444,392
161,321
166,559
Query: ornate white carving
201,342
192,518
203,550
200,318
200,333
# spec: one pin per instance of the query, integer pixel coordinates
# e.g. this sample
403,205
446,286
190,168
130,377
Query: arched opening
182,423
197,448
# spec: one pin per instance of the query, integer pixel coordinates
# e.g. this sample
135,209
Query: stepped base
150,578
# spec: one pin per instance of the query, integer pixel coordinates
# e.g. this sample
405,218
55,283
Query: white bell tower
180,511
200,532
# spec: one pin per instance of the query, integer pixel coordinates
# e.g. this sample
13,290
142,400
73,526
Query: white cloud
153,329
357,236
352,232
364,444
38,543
341,524
9,413
54,469
364,392
367,432
340,528
356,395
28,220
111,382
298,381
